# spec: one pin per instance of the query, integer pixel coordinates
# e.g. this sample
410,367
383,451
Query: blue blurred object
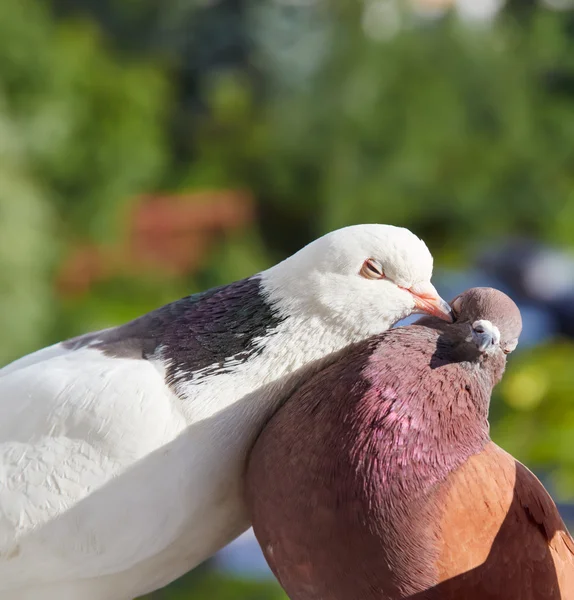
536,274
243,558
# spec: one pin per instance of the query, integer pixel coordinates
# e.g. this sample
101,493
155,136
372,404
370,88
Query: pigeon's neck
426,418
301,339
300,345
248,348
414,418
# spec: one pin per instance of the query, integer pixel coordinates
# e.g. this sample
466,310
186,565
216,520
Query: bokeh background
151,149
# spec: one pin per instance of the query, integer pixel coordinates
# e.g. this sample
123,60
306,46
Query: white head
362,279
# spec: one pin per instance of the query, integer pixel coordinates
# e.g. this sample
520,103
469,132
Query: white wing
35,357
70,422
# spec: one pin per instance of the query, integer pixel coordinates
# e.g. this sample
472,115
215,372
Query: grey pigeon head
493,317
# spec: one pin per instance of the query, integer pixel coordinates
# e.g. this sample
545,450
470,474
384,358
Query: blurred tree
80,134
365,118
442,128
193,39
26,248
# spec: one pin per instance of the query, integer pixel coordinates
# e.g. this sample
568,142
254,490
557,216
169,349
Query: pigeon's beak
485,335
428,301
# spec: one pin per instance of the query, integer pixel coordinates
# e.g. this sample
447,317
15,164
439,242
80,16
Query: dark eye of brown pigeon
372,269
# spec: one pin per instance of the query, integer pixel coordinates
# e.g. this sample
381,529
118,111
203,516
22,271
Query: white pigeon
122,451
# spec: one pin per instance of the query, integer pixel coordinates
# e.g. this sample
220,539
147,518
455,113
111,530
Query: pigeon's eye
372,269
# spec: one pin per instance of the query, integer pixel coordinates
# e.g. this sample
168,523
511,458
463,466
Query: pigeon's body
121,451
377,480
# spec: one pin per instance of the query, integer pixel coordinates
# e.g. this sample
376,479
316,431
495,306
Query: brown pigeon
377,480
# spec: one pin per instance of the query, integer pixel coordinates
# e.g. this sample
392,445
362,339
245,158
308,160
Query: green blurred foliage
329,113
535,412
210,586
81,132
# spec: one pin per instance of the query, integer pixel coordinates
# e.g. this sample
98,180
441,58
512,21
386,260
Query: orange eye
372,269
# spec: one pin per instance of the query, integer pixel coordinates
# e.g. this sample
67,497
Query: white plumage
121,471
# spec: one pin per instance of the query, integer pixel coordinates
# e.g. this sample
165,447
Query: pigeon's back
70,420
97,480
